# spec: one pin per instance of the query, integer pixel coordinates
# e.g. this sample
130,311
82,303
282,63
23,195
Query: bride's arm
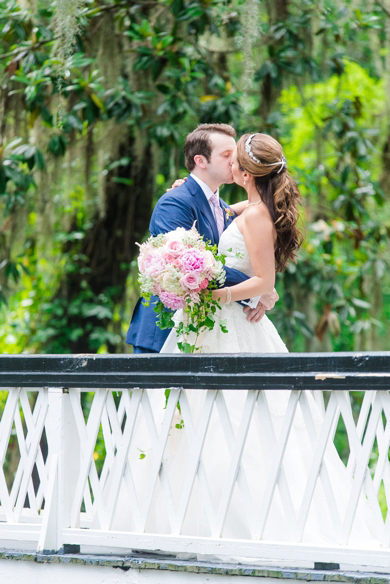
258,231
239,207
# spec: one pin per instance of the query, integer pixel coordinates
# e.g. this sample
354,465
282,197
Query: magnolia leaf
97,101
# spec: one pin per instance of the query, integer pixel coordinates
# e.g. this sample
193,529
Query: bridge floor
82,568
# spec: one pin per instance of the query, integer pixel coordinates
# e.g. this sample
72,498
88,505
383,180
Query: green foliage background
92,134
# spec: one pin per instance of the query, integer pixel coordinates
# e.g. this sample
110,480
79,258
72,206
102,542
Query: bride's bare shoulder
257,220
257,214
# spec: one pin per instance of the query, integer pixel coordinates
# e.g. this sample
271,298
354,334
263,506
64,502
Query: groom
208,152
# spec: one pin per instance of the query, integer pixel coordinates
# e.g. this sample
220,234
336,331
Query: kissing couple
258,236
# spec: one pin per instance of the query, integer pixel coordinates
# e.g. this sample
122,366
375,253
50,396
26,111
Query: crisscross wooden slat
159,442
361,470
29,457
356,449
120,462
88,434
318,468
264,420
235,462
241,477
195,466
360,427
276,465
31,419
383,440
5,434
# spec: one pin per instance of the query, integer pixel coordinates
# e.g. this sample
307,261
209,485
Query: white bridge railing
293,468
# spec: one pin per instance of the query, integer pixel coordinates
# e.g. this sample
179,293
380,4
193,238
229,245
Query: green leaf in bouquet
208,322
185,347
165,321
222,325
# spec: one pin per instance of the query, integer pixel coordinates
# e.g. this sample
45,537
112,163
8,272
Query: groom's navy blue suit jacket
177,208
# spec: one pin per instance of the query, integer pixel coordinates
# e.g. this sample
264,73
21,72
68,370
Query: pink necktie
218,213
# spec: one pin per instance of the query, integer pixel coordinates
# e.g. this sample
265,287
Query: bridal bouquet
182,270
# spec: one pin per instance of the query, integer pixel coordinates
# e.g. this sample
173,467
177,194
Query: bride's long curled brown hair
277,190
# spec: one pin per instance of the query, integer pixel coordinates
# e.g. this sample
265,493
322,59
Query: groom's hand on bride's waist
269,300
255,314
266,302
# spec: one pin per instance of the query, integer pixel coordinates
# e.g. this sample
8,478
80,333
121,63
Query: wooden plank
318,468
278,452
196,442
88,434
233,548
250,371
120,461
236,455
159,441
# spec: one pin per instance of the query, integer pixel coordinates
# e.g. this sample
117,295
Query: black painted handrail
345,371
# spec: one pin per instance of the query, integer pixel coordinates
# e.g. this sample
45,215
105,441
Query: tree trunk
385,176
278,11
109,245
306,302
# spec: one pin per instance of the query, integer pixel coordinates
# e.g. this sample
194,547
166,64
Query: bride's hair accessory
282,162
248,149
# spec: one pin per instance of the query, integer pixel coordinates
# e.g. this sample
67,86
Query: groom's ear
200,160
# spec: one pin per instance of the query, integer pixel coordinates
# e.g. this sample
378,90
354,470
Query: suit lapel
227,218
204,207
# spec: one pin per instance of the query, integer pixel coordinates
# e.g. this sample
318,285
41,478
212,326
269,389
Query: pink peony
169,258
153,265
193,261
174,247
171,300
204,284
190,281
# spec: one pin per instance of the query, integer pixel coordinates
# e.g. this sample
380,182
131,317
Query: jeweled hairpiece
282,162
248,149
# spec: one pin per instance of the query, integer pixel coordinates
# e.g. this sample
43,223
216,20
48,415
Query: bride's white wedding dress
220,435
242,336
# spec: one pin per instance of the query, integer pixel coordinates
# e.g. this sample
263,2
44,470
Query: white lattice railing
251,473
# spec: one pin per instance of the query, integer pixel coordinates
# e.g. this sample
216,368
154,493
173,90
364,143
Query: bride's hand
178,182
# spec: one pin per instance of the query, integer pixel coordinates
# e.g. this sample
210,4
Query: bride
263,237
260,241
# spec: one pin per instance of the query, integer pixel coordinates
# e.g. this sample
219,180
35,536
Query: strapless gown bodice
232,245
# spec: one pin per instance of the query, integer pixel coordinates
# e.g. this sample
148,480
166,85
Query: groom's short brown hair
198,142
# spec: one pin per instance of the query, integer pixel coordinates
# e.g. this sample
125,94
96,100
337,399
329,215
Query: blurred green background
96,99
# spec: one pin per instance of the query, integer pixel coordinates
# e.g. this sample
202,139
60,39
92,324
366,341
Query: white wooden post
50,536
63,461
